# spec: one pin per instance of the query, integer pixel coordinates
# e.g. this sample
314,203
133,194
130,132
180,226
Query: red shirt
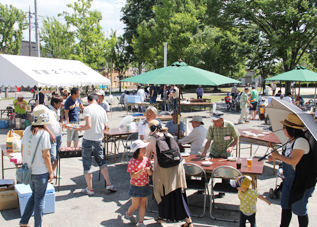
135,166
227,99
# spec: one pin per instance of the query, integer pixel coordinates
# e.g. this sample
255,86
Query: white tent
29,71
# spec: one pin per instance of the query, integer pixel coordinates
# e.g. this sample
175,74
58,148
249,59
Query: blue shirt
73,108
173,128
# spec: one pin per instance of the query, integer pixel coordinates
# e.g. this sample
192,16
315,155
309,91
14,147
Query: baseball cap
100,92
246,88
217,115
253,87
138,144
243,181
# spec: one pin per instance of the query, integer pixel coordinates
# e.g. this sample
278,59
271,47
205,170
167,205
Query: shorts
72,134
90,147
140,191
55,147
254,105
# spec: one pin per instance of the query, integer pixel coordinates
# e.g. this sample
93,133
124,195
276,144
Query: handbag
24,173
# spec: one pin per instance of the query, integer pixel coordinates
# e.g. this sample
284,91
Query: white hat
100,92
43,116
217,115
198,119
20,95
138,144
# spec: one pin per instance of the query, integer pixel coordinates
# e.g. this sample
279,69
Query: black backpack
167,151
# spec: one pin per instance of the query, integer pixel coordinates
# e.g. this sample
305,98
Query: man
71,106
153,93
224,135
19,105
288,97
96,121
273,88
144,130
234,91
174,95
199,92
244,102
40,98
102,102
141,93
197,137
173,126
254,94
279,93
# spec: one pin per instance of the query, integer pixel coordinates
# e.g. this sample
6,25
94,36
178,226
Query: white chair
224,172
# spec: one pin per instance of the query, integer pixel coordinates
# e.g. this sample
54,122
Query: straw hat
293,121
155,126
198,119
43,116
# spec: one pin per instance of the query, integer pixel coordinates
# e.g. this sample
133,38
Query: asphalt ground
107,209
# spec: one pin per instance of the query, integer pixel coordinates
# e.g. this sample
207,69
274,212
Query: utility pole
30,28
111,77
37,30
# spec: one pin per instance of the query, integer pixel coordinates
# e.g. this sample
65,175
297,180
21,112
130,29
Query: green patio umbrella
180,73
299,74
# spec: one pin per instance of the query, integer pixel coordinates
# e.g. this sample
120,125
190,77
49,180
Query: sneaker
131,218
246,121
240,122
87,191
141,224
111,188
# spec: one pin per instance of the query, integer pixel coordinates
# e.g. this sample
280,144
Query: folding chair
224,172
121,102
196,179
127,145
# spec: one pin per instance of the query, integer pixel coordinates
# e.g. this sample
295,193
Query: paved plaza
107,209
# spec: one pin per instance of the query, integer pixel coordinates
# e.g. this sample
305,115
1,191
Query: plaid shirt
220,145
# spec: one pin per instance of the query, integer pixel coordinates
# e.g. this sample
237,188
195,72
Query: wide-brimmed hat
293,121
217,115
100,92
243,181
138,144
198,119
43,116
156,126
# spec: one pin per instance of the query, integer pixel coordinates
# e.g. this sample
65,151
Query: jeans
36,201
244,218
54,148
175,102
92,147
153,99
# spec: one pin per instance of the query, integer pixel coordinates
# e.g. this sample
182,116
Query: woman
169,183
299,171
143,128
42,172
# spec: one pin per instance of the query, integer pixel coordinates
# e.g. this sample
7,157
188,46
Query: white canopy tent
29,71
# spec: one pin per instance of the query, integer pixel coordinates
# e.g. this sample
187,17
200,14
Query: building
249,78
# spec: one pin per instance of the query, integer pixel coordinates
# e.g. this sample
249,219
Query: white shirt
141,93
98,118
144,129
197,139
288,99
176,93
126,97
105,105
55,127
29,142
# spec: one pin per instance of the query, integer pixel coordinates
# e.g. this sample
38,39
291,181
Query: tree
14,22
134,13
91,44
287,26
57,40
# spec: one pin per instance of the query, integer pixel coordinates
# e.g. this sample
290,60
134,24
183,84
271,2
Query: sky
110,9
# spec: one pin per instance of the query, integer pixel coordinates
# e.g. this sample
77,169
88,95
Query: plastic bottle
16,145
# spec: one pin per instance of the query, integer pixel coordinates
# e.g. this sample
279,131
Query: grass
214,98
7,98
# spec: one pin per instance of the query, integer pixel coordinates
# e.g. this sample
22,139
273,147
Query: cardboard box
8,196
25,192
10,138
134,99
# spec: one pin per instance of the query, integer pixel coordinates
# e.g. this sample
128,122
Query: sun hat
243,181
198,119
20,95
138,144
155,126
100,92
43,116
293,121
217,115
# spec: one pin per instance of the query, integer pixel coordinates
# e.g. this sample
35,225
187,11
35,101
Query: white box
134,99
25,192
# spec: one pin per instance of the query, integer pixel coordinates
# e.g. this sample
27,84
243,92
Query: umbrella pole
315,95
179,112
298,94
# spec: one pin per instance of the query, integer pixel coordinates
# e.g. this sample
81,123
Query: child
248,199
140,168
228,99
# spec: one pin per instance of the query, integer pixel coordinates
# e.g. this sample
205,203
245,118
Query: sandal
25,225
159,220
186,224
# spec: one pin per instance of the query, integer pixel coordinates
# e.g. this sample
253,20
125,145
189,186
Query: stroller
276,193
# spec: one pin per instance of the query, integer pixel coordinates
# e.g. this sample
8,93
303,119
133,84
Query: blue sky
110,9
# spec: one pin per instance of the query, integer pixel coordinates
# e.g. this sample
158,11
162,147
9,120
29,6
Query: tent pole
179,112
